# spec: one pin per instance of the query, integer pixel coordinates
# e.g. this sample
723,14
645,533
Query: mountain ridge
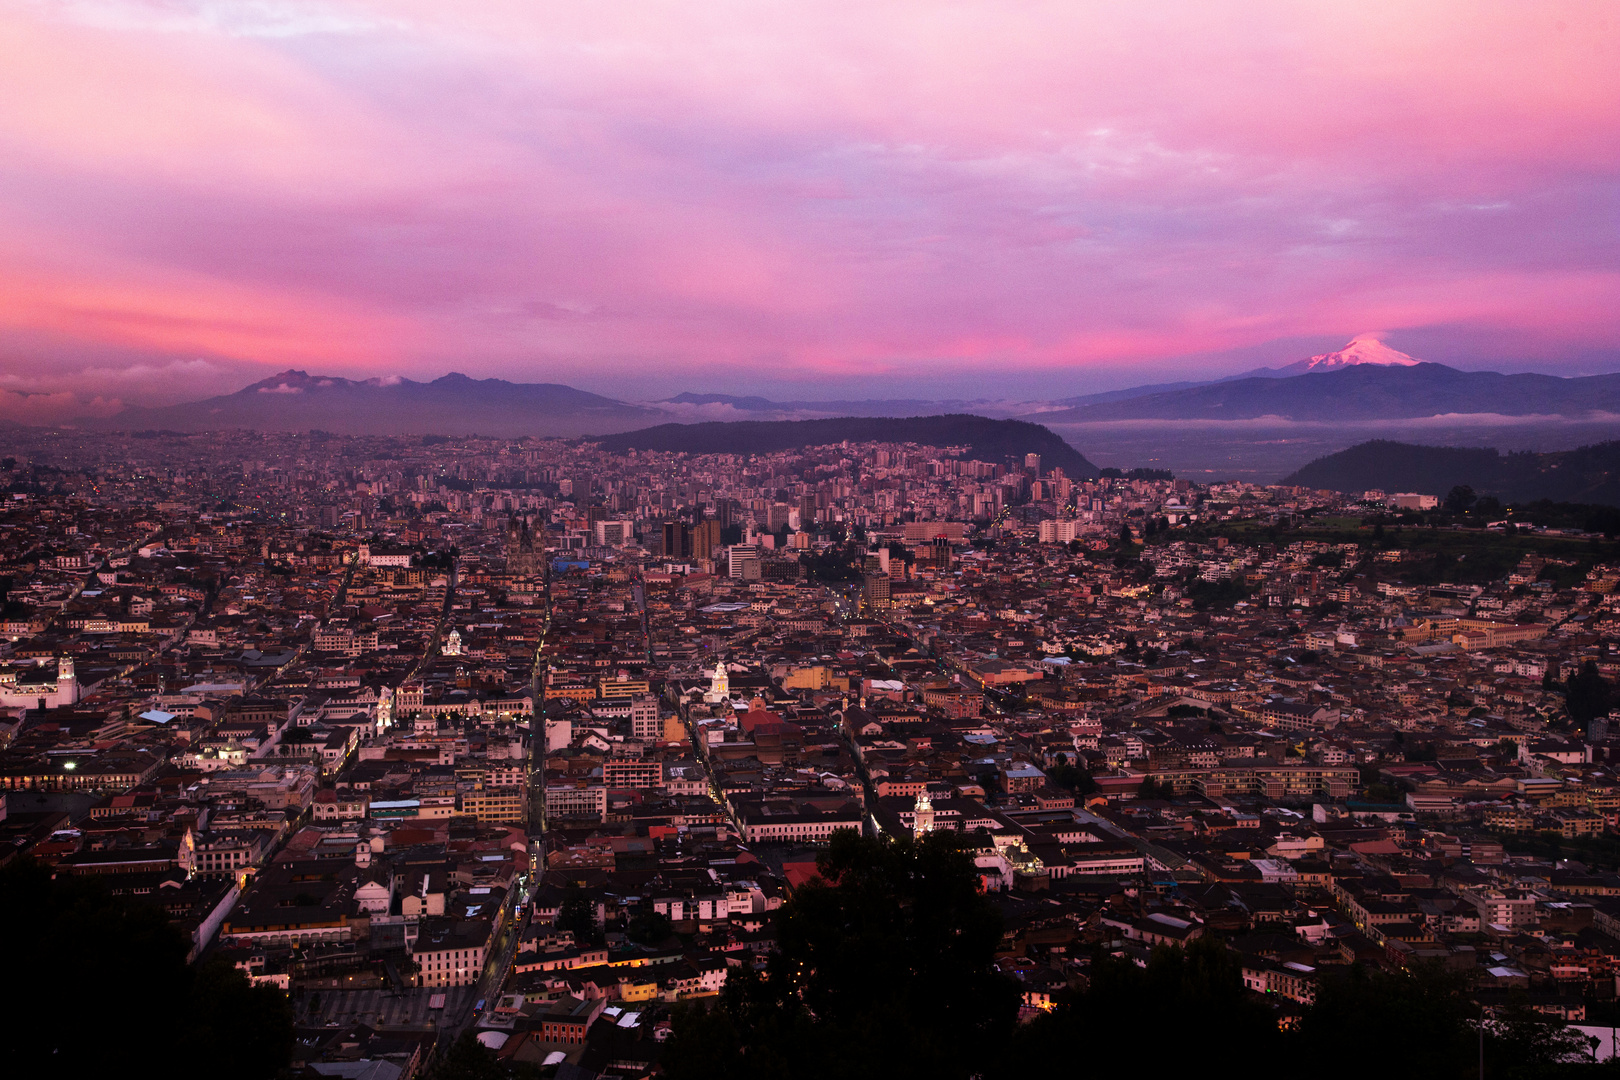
989,439
832,407
1365,392
1588,474
452,404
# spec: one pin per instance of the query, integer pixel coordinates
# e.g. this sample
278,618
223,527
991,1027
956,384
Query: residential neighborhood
524,739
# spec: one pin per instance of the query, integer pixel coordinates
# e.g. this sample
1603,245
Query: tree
1070,778
1523,1042
884,969
239,1028
1117,1023
70,936
1460,499
577,915
1362,1021
1587,694
467,1059
649,927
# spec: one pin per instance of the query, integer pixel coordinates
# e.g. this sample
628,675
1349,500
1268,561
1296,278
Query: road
496,968
438,627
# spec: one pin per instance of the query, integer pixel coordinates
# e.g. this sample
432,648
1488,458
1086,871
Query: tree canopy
97,984
884,969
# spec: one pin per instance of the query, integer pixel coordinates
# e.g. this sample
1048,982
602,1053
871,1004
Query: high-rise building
1058,532
705,538
1033,463
875,590
743,563
614,533
677,540
645,723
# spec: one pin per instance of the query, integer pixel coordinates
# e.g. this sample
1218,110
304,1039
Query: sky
805,199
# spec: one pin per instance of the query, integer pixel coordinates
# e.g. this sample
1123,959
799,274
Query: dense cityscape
515,755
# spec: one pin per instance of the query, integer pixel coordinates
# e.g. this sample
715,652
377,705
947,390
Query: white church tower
67,684
922,815
719,685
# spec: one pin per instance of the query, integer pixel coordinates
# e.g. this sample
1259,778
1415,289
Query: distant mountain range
987,439
1363,391
1365,380
451,405
1365,349
1590,474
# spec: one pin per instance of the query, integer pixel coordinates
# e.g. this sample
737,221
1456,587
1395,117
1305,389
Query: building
615,533
705,538
222,855
1512,908
1408,500
521,558
580,802
743,563
332,805
623,685
677,540
34,686
632,773
645,723
450,951
876,589
1058,532
499,805
373,555
570,1019
114,770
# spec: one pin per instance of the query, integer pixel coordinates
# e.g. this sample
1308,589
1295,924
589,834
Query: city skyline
800,201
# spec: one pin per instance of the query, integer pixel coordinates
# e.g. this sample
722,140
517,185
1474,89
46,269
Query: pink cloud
592,192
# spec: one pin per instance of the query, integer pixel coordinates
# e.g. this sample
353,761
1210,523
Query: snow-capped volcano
1362,349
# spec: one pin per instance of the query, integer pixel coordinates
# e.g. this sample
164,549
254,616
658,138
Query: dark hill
989,440
452,405
1364,392
1590,474
825,409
